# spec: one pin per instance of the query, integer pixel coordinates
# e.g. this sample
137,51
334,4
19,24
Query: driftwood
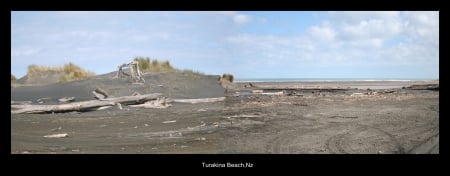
100,93
272,93
135,73
43,100
423,87
159,103
200,100
66,99
83,106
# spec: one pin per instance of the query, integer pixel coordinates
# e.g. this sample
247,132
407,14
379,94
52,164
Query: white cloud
241,18
354,38
24,51
422,27
352,17
324,32
237,17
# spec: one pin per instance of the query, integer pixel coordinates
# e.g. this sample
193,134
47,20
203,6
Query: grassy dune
68,72
148,65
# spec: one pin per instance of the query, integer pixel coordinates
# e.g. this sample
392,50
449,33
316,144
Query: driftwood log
100,93
83,106
200,100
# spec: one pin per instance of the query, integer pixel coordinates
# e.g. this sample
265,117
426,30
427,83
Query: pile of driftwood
103,101
84,105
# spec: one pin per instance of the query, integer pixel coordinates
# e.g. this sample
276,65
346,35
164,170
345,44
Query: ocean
237,80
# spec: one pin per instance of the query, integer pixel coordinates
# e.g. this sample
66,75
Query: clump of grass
153,65
70,72
166,65
147,64
228,77
39,70
226,80
144,63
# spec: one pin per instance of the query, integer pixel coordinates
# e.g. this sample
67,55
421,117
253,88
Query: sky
247,44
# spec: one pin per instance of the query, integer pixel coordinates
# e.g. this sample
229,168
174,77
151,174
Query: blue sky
249,44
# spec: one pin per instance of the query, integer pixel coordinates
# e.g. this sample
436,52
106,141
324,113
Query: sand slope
172,85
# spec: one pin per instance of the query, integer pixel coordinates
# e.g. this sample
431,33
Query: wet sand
329,122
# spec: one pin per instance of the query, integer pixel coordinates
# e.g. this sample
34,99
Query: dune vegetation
68,72
153,65
228,77
147,65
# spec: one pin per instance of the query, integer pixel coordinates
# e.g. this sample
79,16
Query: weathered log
200,100
83,106
66,99
159,103
273,93
43,100
100,93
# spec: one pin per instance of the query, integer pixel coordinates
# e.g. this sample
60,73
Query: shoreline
336,84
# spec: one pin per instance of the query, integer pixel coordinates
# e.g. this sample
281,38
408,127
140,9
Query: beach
352,117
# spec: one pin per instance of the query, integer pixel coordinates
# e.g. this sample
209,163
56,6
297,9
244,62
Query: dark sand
406,121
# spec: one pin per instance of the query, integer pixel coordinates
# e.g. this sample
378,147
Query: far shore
339,84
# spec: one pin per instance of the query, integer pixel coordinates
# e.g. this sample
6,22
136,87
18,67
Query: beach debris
371,92
424,87
103,107
199,100
244,116
200,139
292,93
135,72
43,100
66,99
345,117
100,93
201,110
56,129
170,121
249,85
273,93
83,106
159,103
257,91
119,105
356,94
389,91
62,135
